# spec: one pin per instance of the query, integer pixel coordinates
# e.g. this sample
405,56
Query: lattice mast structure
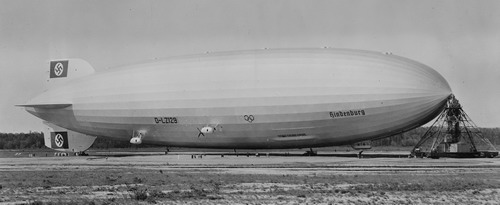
453,132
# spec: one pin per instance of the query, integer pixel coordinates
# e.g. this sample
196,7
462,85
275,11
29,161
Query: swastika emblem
58,69
59,140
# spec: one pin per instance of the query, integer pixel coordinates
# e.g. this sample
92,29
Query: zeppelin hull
254,99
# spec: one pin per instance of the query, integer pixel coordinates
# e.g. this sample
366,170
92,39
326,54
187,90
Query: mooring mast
453,134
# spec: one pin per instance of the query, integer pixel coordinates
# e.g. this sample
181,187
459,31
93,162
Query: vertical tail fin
62,70
64,140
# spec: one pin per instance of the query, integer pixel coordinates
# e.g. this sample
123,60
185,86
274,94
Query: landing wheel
311,152
81,154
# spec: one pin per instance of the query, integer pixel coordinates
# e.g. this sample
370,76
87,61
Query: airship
255,99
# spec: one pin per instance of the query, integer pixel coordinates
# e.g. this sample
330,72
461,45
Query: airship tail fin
66,69
46,106
64,140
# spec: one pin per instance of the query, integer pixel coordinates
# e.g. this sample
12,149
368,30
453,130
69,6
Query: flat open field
179,178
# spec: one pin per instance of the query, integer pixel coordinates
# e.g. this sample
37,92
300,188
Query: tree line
34,140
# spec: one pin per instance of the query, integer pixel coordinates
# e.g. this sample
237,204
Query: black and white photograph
249,102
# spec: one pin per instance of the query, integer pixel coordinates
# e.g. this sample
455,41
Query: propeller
200,133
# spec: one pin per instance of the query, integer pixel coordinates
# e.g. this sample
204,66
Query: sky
459,39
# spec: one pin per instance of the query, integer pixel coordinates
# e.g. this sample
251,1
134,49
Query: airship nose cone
417,77
436,83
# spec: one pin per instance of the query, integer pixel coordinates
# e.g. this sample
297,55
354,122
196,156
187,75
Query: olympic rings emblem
249,118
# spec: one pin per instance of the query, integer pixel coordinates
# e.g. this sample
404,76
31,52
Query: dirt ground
212,179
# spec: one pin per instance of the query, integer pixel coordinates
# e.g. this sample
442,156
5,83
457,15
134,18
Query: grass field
103,186
248,180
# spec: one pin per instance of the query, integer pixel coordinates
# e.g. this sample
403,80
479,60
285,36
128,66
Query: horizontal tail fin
46,106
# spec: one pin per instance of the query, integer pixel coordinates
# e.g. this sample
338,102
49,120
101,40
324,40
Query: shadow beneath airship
98,155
